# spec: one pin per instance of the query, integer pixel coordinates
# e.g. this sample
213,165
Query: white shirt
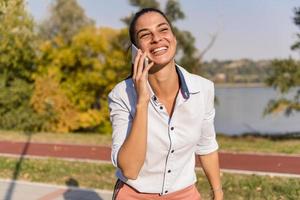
171,142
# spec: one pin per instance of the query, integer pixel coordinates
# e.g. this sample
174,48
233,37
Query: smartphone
134,51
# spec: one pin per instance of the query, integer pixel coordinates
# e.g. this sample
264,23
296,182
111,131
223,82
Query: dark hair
136,17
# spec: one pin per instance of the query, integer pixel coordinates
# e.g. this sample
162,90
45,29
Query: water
240,110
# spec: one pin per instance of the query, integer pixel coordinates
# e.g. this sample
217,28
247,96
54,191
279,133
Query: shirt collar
188,83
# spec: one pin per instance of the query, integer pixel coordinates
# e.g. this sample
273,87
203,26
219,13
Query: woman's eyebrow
161,24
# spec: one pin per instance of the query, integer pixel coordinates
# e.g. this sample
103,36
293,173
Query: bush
15,110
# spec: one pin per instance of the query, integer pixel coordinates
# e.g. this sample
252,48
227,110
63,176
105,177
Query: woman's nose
156,37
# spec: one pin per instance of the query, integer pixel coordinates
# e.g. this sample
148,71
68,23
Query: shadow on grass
11,188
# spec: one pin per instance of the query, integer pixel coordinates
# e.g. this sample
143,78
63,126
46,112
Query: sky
253,29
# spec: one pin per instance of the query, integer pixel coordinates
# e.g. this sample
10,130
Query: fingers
138,67
147,68
141,65
140,75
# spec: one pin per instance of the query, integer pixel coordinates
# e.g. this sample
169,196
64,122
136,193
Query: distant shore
238,85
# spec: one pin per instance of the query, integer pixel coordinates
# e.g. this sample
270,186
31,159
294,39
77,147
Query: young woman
161,117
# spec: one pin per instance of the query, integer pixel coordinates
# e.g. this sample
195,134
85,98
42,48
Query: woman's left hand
218,195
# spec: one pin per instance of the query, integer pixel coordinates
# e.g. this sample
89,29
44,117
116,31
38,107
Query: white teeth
159,49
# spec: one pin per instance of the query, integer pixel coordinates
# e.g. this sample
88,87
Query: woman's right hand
140,78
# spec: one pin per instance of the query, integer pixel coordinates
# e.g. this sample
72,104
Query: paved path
263,163
22,190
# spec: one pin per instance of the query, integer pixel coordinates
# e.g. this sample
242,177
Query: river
240,110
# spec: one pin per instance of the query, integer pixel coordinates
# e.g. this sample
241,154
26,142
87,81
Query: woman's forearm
210,165
132,153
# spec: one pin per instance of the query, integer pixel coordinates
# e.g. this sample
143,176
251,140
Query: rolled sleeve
208,142
121,121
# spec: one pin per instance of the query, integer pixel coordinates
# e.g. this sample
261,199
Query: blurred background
59,59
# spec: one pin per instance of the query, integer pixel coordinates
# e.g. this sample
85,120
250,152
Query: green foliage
173,11
66,20
74,79
144,3
15,110
285,76
17,42
140,4
187,52
283,104
17,56
58,81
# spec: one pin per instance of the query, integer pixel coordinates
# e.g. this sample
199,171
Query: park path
250,162
23,190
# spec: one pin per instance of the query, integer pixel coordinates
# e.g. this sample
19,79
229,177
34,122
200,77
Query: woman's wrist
217,193
217,189
142,104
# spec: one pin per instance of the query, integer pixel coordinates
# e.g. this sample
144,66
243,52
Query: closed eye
144,35
163,29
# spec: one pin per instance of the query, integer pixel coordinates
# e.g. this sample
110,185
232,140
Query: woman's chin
162,62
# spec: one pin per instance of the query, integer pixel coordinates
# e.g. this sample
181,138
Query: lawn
274,144
101,176
260,144
67,138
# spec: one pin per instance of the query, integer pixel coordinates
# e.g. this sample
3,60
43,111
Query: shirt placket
168,171
169,165
160,108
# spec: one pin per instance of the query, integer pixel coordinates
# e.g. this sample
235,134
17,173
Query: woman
162,116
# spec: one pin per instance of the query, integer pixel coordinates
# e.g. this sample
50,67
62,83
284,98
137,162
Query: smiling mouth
159,50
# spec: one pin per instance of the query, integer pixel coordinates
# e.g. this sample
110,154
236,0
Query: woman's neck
165,82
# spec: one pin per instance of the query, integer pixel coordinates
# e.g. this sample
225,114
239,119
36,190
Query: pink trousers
124,192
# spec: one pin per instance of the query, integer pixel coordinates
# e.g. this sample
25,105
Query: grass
245,143
59,172
101,176
67,138
260,144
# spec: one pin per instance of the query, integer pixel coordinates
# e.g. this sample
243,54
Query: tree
187,54
285,77
17,42
17,56
66,19
74,79
78,64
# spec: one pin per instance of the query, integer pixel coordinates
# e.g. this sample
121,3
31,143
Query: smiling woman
155,37
161,116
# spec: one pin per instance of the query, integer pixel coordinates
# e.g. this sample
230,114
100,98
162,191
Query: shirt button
161,107
166,191
172,128
169,171
172,151
154,98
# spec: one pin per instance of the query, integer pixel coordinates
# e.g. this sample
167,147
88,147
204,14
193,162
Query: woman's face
154,36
